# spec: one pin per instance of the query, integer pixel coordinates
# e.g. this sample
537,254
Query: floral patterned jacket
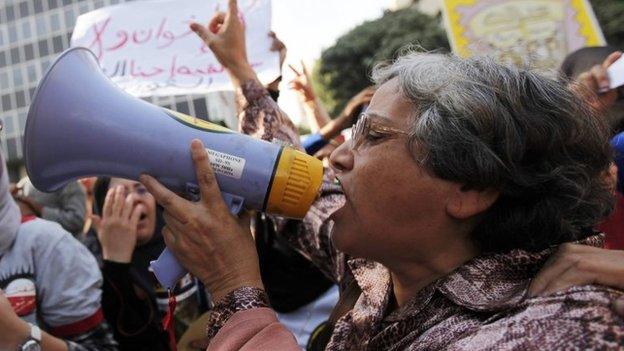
482,305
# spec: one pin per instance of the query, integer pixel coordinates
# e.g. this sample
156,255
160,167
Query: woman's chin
343,239
143,236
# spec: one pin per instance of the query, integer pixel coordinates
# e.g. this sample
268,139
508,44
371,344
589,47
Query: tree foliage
344,68
610,14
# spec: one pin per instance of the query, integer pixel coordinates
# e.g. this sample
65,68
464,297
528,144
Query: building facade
32,34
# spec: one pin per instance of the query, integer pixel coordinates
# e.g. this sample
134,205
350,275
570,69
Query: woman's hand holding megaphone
225,36
205,237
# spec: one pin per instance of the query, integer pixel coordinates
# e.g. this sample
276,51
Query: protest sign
148,49
536,32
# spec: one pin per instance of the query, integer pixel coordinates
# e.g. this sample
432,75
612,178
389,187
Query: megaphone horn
81,124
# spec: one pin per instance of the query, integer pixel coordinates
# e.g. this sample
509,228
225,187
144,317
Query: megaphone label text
226,164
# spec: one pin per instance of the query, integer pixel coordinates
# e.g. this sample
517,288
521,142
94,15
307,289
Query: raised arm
262,118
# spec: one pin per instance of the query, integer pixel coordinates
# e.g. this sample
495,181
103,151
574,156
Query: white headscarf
10,216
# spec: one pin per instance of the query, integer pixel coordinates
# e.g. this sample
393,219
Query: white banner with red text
148,49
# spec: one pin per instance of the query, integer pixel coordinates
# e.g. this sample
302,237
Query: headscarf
143,254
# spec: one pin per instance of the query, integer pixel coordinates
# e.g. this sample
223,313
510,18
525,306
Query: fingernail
196,144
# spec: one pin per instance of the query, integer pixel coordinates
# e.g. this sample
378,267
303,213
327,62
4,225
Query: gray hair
486,125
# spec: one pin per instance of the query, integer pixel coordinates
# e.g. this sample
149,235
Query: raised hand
302,83
580,265
593,85
225,36
117,228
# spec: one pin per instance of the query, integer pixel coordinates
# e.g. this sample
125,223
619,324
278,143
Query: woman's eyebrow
379,117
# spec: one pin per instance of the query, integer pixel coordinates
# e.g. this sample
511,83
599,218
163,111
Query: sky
309,26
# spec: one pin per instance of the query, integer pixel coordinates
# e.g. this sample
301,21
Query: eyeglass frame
364,124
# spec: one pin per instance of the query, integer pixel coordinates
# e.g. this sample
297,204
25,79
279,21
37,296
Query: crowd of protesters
466,205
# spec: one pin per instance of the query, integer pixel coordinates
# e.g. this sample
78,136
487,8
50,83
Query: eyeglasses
367,128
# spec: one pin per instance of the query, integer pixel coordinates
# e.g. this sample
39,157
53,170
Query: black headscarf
143,254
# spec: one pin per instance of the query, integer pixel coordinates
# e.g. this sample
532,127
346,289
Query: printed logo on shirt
21,292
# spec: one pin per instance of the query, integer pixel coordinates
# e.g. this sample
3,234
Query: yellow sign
535,32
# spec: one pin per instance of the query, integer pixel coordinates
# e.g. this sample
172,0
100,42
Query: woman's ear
466,203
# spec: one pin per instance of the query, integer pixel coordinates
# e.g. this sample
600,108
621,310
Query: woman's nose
341,159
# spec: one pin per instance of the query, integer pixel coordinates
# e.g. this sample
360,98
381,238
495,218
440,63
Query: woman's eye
374,136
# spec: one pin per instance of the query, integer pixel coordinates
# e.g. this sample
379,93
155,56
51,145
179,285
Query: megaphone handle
166,267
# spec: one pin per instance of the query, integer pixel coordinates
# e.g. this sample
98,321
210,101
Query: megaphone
81,124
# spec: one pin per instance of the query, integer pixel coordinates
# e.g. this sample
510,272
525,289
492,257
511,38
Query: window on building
4,80
12,34
8,126
12,148
42,26
55,22
57,43
3,59
29,52
31,72
26,30
6,102
84,8
20,99
70,17
52,4
43,48
38,5
24,11
15,56
200,108
183,107
67,2
44,65
10,13
18,79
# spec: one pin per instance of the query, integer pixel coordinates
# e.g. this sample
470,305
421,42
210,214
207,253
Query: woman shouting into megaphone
448,204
